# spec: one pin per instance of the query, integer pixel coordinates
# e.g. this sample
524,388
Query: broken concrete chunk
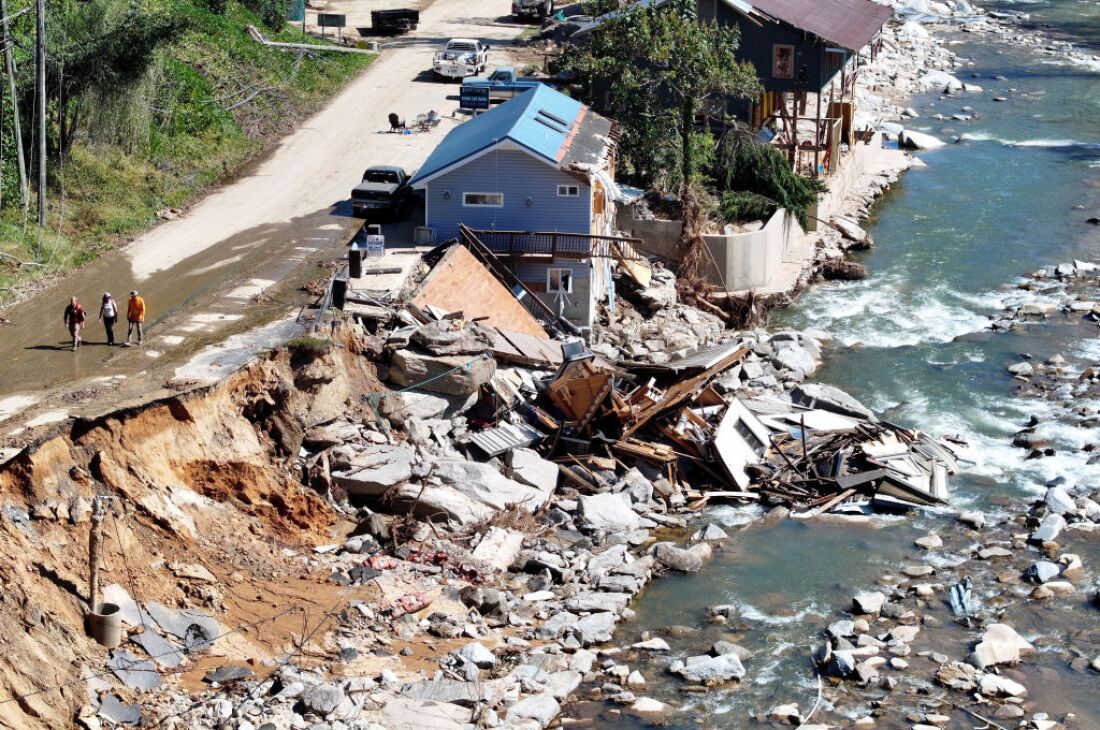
484,484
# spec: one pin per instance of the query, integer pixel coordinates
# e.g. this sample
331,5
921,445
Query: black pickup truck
384,191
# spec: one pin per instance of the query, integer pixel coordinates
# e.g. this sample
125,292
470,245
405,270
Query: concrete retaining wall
863,159
741,261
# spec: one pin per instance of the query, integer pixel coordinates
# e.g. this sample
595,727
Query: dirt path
202,275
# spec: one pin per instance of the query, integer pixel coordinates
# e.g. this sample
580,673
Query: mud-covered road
217,270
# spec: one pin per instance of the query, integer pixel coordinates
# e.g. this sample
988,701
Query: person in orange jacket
135,315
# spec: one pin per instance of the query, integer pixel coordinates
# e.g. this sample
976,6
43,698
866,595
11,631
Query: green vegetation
149,103
313,347
661,69
754,179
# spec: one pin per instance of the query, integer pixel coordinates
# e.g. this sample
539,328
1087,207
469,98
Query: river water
912,341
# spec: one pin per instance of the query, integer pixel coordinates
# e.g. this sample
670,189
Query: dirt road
231,261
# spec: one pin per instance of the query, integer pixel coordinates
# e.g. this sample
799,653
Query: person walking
108,313
135,315
74,319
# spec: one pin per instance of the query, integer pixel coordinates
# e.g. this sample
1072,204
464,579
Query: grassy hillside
208,100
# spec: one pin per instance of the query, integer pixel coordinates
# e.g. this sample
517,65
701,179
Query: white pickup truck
461,58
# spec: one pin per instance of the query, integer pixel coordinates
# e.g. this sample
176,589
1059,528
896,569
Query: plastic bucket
105,625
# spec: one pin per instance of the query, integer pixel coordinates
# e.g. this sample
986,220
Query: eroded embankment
202,479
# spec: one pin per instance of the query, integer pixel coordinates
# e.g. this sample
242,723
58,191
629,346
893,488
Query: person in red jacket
74,319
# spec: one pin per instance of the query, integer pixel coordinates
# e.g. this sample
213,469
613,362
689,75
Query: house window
559,281
569,191
782,61
483,200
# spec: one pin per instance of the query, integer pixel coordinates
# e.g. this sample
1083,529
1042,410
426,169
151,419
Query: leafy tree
661,68
756,178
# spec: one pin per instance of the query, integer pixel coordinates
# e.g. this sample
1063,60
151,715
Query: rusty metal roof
851,24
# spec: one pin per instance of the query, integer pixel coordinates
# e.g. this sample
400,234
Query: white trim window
569,191
559,281
483,200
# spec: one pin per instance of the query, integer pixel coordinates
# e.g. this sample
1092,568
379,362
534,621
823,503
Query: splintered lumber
580,390
653,453
832,502
721,495
681,391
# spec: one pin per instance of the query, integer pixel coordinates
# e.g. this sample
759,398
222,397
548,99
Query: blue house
534,177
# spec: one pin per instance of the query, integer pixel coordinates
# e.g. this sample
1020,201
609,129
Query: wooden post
817,134
95,538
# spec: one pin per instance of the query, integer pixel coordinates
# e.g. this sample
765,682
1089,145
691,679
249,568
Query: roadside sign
296,10
332,20
473,98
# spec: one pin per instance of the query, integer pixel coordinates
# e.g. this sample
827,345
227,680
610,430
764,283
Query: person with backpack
108,313
135,315
74,319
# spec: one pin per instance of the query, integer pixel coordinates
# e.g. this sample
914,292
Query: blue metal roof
538,120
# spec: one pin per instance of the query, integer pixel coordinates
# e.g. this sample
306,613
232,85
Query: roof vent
555,123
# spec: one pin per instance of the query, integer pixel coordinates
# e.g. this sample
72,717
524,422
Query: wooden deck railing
511,244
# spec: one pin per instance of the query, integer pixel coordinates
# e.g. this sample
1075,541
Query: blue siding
518,176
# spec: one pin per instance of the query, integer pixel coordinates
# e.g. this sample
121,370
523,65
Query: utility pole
95,538
9,69
40,84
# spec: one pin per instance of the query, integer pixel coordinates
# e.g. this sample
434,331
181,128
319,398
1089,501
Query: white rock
1000,644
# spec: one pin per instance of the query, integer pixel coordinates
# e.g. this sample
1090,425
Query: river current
952,238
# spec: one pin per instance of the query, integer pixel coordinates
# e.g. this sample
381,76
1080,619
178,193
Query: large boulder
376,470
911,140
433,502
1058,501
611,512
450,374
830,398
542,708
1000,644
690,560
792,356
594,629
593,602
868,602
484,484
1051,526
527,467
709,670
453,337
